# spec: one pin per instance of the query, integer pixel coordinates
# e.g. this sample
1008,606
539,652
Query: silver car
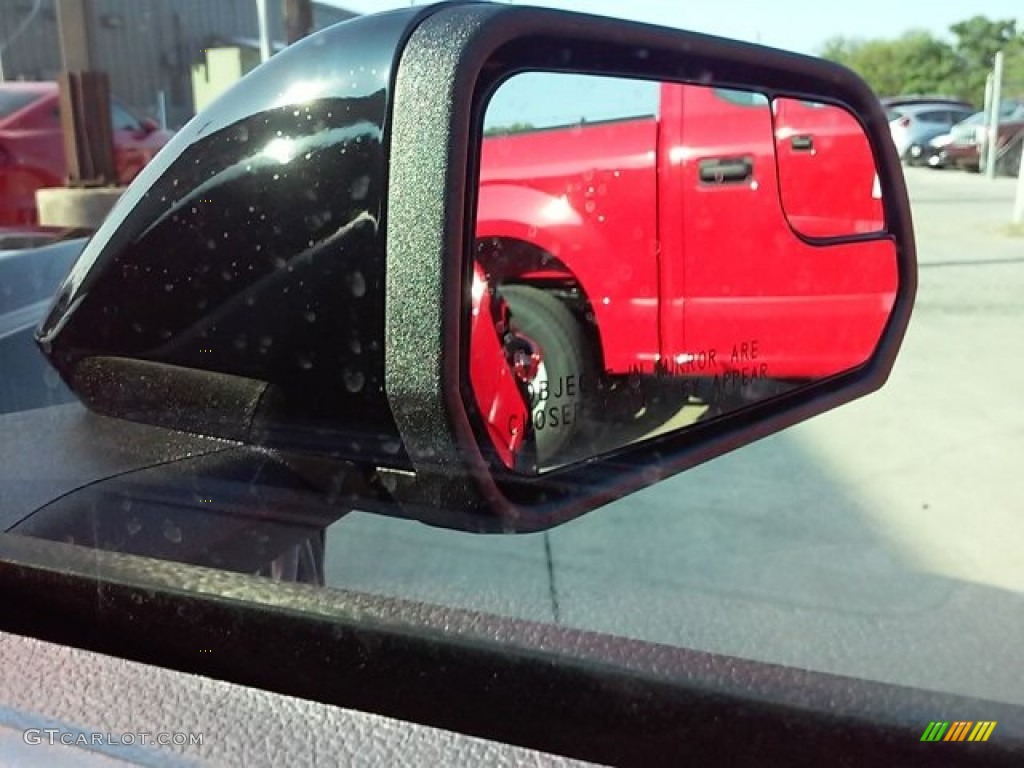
914,125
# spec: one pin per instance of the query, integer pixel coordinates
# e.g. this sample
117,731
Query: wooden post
84,101
88,133
73,18
298,19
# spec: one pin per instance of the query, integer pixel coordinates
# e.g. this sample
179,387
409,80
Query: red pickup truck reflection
684,242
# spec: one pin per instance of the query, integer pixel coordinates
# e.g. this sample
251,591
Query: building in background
148,47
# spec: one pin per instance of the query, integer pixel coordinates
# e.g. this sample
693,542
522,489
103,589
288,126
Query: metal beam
263,15
992,147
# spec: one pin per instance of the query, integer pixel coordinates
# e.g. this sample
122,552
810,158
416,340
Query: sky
796,25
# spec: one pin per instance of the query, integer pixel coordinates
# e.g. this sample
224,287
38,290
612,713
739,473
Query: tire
547,323
911,159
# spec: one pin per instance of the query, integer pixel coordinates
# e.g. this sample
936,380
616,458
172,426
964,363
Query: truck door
717,168
743,296
827,172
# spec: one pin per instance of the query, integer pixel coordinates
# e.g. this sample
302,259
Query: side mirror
511,263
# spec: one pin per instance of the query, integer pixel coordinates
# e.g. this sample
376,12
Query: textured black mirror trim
451,58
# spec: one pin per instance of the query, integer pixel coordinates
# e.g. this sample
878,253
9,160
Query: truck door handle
726,170
802,143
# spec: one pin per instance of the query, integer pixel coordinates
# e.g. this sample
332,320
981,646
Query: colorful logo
958,730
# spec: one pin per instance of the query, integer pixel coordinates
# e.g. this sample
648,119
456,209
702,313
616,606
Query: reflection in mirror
827,176
635,273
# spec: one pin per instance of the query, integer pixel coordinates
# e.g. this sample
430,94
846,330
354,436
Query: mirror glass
827,178
635,272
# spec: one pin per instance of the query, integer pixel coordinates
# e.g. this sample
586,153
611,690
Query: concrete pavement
882,540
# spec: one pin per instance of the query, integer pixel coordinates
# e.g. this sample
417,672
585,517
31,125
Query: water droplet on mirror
310,316
280,262
360,188
168,287
357,284
172,532
304,361
355,346
241,342
591,206
354,380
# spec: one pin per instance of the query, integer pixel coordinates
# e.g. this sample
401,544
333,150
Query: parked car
913,125
968,138
899,101
32,146
19,238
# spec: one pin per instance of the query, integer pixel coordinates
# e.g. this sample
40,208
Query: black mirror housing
294,270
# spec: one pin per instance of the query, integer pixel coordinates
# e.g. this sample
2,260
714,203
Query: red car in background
32,147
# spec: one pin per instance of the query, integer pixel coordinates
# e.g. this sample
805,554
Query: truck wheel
559,370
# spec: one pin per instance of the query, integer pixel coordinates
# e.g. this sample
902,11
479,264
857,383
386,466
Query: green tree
916,62
977,41
504,130
919,62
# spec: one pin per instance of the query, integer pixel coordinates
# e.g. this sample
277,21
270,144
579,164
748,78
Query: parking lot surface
881,540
